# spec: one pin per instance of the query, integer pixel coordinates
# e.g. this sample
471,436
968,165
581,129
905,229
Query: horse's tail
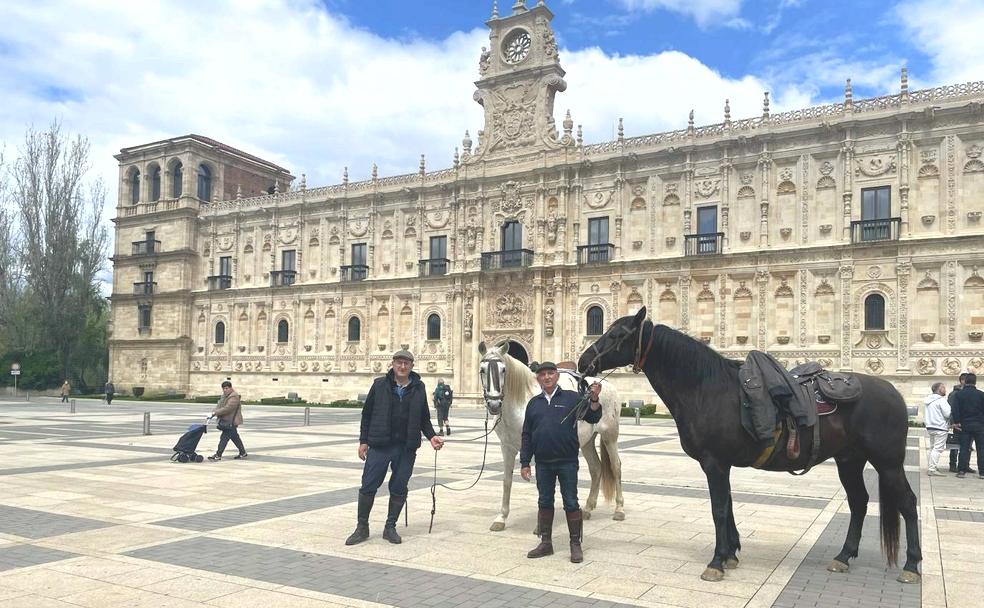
609,476
889,500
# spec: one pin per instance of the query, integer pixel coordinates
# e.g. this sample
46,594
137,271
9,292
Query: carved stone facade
755,233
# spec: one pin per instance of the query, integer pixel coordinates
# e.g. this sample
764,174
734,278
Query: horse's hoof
585,514
731,563
908,577
498,526
838,566
712,575
619,516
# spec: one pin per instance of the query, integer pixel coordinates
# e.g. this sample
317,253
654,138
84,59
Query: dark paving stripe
41,524
22,556
868,584
76,465
634,443
743,497
366,581
960,515
237,516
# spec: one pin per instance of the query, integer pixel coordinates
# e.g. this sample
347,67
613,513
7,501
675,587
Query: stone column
902,272
765,167
846,306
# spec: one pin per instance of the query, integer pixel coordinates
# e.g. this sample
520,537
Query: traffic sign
15,369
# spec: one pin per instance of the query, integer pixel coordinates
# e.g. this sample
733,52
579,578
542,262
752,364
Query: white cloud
704,12
950,33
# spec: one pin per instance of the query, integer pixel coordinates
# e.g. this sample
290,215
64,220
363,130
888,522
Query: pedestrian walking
110,390
937,419
229,411
954,439
968,417
394,416
66,389
443,395
550,436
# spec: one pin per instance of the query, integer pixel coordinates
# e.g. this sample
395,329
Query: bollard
71,406
638,417
307,416
146,429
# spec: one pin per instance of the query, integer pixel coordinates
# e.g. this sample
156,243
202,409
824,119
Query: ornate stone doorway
516,351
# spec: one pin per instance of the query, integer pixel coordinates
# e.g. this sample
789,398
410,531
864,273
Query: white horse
508,385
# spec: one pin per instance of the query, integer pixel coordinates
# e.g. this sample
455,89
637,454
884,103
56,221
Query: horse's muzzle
494,406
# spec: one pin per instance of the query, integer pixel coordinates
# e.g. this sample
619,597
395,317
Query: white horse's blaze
508,385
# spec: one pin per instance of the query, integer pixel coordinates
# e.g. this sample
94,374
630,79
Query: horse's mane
692,355
520,380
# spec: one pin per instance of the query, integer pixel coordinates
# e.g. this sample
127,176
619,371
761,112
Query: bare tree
63,242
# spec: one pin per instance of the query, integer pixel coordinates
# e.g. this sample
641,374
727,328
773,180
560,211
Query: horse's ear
482,348
639,318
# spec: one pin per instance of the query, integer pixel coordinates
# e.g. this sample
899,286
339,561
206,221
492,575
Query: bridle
640,356
492,374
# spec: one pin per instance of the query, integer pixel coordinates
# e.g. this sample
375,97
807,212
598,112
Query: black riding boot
362,527
395,506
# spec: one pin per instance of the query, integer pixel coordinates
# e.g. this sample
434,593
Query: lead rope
485,450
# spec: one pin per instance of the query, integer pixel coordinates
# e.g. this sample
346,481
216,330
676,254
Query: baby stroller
184,449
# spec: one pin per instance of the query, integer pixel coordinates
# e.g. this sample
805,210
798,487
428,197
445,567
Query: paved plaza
93,513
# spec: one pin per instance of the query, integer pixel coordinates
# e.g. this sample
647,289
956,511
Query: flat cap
403,354
546,365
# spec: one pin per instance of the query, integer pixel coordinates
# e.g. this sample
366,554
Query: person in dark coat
110,390
553,442
393,417
968,417
443,395
955,443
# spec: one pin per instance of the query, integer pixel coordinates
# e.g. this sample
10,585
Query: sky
318,85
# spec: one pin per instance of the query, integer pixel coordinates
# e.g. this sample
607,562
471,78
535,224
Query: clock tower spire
520,74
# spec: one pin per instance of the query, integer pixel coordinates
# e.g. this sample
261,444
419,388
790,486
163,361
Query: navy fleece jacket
544,436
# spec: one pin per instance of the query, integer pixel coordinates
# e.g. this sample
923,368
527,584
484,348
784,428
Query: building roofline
208,141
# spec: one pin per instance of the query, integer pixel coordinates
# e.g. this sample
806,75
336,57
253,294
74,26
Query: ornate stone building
848,233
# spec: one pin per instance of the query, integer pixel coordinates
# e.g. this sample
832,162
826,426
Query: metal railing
594,254
703,244
145,247
282,278
145,288
434,267
354,272
512,258
885,229
219,281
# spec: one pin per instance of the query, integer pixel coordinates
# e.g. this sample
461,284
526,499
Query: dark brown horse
701,390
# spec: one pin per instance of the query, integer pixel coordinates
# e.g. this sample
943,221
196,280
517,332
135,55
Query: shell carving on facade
874,167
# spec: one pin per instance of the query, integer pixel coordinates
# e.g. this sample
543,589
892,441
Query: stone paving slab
22,556
959,515
29,523
390,584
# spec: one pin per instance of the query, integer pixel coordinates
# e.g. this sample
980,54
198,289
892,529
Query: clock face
517,47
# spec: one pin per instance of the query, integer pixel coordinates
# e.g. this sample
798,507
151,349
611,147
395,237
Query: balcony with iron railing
145,247
354,272
511,258
219,281
884,229
144,288
595,254
433,267
703,244
282,278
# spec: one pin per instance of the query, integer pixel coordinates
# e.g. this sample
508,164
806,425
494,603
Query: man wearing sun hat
393,417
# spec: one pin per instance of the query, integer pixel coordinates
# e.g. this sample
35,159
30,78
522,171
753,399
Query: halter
492,373
640,356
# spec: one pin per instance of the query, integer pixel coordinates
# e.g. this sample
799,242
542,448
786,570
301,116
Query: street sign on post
15,371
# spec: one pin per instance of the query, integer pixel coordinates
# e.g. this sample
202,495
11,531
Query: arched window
135,187
354,329
204,183
596,321
220,333
874,312
434,327
176,176
155,184
283,331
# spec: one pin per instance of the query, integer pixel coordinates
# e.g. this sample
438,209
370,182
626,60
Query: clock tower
520,74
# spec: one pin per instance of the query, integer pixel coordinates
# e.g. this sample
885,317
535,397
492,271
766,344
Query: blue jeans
395,457
547,476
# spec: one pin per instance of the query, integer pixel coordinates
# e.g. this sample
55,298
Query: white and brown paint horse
507,386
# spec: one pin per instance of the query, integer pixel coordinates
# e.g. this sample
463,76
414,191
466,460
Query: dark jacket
443,395
953,395
968,408
544,436
380,413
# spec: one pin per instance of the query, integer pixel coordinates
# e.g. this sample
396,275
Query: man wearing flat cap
550,435
394,416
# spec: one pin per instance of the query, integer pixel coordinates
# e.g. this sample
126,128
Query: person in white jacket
937,425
